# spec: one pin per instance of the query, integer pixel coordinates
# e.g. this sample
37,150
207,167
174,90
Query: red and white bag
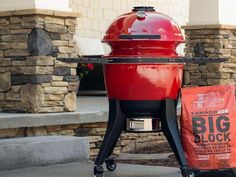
208,127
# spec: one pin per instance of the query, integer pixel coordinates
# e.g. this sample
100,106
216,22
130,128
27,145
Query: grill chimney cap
144,8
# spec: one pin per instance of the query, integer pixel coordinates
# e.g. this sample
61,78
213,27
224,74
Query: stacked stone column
211,41
30,80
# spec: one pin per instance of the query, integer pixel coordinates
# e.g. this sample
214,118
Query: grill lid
143,33
144,21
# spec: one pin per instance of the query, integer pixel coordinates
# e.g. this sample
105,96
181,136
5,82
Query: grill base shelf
117,124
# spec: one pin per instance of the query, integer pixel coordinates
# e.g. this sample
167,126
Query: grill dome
145,32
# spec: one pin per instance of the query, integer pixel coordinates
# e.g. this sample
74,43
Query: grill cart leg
115,126
171,131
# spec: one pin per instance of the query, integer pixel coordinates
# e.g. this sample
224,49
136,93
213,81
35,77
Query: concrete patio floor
86,170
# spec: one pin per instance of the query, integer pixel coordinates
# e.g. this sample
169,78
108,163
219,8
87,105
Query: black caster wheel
189,175
99,175
186,172
234,172
98,171
110,164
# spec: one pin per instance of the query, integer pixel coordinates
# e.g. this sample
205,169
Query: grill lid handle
144,8
140,36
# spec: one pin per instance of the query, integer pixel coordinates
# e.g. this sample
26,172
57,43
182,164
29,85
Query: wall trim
39,12
210,26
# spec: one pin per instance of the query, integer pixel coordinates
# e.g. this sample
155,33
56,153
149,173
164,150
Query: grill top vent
144,8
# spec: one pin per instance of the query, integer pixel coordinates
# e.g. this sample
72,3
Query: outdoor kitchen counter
90,109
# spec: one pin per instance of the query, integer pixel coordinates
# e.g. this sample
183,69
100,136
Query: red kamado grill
143,76
140,92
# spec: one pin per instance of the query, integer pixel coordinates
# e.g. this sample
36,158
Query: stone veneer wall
211,41
128,142
37,83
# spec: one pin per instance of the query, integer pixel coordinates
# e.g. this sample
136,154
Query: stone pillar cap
217,26
39,12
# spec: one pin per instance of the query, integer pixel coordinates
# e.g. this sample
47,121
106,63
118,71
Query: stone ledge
40,151
90,110
212,26
39,12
